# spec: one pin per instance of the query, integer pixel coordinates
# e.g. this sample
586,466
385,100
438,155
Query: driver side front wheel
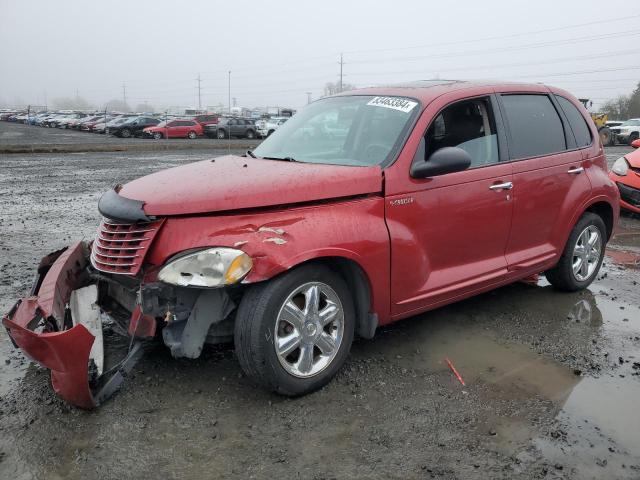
294,332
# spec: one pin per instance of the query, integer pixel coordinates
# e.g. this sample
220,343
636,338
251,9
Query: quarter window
579,126
468,125
534,126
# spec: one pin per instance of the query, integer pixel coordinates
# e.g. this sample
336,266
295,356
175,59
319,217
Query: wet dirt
552,379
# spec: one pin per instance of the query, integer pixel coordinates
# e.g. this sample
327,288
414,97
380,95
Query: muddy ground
552,379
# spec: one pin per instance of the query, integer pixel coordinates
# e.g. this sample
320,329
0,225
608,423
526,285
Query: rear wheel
582,256
221,134
125,133
192,135
293,333
250,134
605,136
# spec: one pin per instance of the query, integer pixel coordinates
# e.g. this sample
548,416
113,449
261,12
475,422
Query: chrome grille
121,247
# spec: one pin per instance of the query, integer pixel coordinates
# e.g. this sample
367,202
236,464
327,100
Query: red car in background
206,119
625,172
174,129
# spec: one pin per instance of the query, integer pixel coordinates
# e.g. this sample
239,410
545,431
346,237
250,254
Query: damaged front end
59,325
86,294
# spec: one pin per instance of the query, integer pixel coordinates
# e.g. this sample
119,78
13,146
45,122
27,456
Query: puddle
597,405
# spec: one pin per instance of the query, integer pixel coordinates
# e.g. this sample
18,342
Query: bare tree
623,106
144,107
67,103
333,88
116,105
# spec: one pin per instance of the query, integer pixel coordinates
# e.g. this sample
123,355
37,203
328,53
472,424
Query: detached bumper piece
60,327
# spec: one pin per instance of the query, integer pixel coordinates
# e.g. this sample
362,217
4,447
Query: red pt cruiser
363,209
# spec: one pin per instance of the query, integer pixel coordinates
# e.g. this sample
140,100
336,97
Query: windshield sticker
395,103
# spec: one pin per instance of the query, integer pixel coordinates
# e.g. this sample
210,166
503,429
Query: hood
633,158
234,183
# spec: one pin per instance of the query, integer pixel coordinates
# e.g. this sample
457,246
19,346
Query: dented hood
233,183
633,158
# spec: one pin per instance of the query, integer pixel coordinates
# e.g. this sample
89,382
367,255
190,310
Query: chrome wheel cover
586,253
309,329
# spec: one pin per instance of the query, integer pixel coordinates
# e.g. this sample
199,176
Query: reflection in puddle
598,409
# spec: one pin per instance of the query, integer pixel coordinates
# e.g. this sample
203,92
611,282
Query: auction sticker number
395,103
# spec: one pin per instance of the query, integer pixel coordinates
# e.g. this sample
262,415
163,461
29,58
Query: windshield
631,123
354,130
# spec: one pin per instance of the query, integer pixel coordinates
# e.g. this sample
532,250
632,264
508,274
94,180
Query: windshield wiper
283,159
251,154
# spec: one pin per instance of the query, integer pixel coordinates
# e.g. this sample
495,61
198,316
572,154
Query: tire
125,133
632,137
563,276
220,133
157,135
606,137
258,326
250,134
191,135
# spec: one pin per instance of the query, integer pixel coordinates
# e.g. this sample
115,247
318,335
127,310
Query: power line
499,37
465,53
506,65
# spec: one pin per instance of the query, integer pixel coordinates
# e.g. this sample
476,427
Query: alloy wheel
586,253
309,329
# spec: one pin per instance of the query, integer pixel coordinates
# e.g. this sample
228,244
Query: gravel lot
552,379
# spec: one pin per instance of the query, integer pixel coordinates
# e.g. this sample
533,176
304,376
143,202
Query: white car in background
269,125
627,131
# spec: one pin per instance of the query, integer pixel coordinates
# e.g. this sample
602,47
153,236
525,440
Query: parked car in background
267,126
232,127
207,119
89,125
625,172
70,120
627,131
132,127
174,129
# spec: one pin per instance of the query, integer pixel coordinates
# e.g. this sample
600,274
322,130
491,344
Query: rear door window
535,127
581,130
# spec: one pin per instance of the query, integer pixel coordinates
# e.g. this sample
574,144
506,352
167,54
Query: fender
279,240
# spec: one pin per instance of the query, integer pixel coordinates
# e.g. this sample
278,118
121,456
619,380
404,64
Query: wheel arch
359,285
605,211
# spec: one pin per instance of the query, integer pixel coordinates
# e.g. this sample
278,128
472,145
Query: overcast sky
279,50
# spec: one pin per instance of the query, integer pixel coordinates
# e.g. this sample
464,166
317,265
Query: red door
549,183
449,232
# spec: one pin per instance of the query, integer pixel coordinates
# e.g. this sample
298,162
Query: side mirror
442,161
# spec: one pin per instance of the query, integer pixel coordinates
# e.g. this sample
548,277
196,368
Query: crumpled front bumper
41,325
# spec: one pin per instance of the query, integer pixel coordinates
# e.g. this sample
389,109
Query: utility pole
308,98
124,94
341,65
199,93
45,100
235,103
229,93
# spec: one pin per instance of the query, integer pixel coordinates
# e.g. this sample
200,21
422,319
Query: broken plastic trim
121,209
38,326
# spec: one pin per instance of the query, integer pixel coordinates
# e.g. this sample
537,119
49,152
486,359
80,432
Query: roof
427,90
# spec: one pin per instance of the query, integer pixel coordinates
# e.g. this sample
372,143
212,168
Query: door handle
575,170
501,186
